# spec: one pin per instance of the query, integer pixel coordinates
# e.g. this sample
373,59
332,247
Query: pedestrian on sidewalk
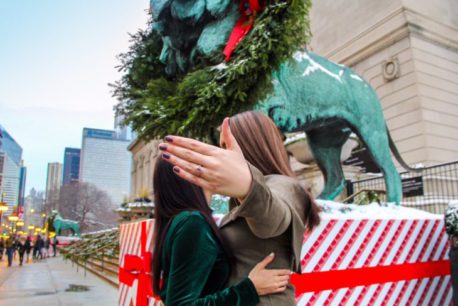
34,249
15,242
2,248
21,250
28,248
54,246
40,245
37,248
10,248
45,248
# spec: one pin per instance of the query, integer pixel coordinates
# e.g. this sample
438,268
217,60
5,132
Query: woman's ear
228,140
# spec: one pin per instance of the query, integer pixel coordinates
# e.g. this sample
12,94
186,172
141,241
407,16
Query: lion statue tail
396,154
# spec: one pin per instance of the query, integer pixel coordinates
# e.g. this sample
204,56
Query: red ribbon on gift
243,25
138,268
336,279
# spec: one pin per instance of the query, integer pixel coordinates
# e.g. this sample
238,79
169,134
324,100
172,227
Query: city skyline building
54,178
10,169
22,180
71,170
10,146
34,207
123,131
105,162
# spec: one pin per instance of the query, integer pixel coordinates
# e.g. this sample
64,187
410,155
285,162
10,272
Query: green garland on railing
194,104
90,245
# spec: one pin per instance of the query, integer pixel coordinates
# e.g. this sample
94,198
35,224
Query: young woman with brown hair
191,263
270,211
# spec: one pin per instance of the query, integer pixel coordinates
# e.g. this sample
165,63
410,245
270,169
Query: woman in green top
191,263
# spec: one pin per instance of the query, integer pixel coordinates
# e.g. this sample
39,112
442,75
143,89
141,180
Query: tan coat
271,219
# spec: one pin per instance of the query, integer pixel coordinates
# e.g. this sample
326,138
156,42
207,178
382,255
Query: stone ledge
400,24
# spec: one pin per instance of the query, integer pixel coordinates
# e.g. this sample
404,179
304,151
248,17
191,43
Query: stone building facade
144,156
408,51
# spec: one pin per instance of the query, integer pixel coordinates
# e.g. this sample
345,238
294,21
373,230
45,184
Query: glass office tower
105,162
71,165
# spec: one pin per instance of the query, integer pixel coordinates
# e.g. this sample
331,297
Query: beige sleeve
264,207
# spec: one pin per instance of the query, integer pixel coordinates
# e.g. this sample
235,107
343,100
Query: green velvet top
195,268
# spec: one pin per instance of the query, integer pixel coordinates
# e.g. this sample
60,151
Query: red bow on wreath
138,268
248,10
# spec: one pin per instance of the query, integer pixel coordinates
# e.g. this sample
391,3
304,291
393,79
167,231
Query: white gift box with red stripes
348,259
135,253
375,262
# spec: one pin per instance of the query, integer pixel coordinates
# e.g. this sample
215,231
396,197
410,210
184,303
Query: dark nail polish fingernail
166,156
168,138
162,147
176,169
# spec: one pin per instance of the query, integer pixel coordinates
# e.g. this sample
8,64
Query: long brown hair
262,146
173,195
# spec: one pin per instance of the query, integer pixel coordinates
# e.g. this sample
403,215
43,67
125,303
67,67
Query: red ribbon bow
243,25
138,268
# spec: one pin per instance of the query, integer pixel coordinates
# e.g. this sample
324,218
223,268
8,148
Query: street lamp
13,218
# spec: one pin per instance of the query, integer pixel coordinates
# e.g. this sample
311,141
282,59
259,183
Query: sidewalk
45,282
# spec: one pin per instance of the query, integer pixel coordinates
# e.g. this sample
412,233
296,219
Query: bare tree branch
86,204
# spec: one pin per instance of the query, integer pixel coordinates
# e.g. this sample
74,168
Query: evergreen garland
194,104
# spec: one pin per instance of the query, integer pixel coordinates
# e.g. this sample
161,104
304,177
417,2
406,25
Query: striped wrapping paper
352,262
390,257
130,244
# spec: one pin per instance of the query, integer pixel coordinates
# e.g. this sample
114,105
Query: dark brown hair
173,195
262,145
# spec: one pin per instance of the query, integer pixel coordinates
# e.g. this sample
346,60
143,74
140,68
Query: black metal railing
430,190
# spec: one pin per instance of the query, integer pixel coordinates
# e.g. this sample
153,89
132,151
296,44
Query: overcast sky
56,59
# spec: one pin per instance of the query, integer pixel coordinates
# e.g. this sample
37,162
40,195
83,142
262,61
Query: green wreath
194,104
